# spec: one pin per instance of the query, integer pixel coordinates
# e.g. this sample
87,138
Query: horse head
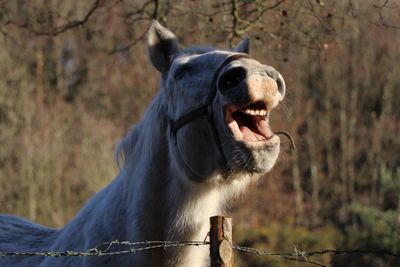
218,104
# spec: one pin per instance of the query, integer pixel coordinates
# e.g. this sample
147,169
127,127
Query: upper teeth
258,112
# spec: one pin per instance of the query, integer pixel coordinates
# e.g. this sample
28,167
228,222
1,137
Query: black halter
207,109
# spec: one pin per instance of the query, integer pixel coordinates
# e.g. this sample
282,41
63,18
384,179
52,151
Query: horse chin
264,154
252,157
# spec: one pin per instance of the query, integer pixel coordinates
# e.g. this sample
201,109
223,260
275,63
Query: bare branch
67,26
131,44
261,12
318,18
381,21
156,7
235,19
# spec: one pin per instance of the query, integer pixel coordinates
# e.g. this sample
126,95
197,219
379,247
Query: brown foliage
75,76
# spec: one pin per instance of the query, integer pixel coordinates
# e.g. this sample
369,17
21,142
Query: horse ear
162,45
243,46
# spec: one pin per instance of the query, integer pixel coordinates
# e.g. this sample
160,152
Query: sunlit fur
154,196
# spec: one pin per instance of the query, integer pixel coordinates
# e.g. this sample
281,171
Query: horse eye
231,78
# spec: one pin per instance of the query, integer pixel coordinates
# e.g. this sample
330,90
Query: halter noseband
206,110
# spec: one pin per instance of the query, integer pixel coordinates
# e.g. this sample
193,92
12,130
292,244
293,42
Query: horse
203,140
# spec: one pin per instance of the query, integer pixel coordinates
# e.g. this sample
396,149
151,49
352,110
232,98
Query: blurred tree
339,59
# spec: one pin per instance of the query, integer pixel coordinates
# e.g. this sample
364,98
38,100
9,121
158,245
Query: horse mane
141,134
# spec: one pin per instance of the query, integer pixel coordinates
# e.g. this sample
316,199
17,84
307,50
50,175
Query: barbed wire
113,248
304,256
299,252
296,255
130,247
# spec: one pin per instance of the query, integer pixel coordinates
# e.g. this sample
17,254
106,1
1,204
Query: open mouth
248,123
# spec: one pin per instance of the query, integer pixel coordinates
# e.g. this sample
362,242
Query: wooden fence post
221,251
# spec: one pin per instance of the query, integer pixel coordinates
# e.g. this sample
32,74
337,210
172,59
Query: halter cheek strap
206,109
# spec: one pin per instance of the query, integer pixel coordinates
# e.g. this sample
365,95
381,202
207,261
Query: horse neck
147,201
172,208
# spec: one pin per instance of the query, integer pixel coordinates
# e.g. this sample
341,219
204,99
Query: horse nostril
231,78
281,85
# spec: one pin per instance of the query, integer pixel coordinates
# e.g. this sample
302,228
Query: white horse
202,141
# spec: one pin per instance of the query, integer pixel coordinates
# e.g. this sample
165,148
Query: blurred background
74,77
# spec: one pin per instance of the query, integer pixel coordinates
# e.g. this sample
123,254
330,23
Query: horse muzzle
250,90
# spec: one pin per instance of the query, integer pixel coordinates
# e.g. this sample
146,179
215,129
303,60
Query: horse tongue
263,127
258,130
249,135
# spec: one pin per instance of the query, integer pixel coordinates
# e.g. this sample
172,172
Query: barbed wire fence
108,249
117,247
